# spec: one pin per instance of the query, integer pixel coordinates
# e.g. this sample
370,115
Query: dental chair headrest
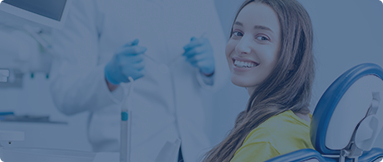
351,109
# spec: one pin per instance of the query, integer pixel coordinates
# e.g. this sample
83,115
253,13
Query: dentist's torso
166,103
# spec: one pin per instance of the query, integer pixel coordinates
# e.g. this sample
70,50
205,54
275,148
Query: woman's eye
237,34
262,38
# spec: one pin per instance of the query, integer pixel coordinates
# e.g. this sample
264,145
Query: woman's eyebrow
238,23
262,28
255,27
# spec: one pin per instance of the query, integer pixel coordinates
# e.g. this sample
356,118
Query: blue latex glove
127,61
199,53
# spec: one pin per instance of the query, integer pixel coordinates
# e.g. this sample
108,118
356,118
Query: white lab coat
166,103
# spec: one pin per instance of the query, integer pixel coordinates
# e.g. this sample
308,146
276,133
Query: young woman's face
253,48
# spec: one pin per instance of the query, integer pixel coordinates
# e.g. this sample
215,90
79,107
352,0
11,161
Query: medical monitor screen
52,9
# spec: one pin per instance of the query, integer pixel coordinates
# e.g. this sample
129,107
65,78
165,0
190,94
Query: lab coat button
163,69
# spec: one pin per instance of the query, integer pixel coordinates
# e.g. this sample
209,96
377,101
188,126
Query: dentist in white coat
160,44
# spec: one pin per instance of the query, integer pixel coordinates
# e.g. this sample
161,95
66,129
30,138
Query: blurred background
347,33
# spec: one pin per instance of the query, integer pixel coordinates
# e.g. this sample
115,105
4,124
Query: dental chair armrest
373,154
301,156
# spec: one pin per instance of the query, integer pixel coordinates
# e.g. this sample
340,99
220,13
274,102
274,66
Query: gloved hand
127,61
199,53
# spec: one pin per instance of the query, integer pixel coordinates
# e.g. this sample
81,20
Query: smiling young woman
270,53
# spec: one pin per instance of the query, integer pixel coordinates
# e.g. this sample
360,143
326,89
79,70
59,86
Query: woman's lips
244,63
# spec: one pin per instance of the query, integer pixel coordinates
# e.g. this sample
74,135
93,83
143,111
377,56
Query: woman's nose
243,46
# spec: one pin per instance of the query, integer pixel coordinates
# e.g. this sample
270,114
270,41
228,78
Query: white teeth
243,64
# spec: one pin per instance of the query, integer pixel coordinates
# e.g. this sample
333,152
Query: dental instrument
126,123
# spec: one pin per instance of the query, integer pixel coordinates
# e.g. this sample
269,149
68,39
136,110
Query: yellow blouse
278,135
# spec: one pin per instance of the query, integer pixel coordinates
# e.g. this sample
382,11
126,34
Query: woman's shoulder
284,132
281,126
287,118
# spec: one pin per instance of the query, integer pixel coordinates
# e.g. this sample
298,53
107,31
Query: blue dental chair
346,120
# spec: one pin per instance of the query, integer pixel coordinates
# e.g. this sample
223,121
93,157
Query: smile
244,64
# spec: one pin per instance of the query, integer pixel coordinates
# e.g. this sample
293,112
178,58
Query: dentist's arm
77,77
207,54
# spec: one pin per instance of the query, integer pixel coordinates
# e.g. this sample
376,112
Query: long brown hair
288,87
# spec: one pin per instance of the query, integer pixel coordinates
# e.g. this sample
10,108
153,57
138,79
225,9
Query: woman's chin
240,82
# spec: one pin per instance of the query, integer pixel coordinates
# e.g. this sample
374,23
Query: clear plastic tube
126,120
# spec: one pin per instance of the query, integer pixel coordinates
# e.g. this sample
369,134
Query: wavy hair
288,87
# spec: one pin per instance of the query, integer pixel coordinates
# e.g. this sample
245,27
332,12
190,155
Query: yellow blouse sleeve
255,152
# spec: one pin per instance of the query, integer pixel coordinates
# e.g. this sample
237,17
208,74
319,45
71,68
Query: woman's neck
250,90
